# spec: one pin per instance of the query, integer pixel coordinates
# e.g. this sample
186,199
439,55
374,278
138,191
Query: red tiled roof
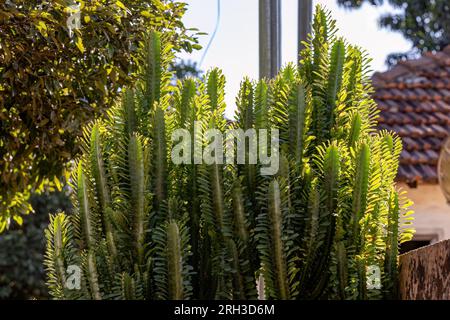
414,101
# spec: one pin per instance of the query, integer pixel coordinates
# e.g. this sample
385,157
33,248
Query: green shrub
146,228
22,251
51,83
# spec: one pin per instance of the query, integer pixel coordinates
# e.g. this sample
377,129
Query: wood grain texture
425,273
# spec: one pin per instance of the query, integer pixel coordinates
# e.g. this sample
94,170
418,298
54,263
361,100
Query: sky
235,46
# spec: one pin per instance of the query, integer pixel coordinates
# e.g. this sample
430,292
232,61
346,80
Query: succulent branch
145,227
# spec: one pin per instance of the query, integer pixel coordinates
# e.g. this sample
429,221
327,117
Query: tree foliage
51,83
22,273
184,69
425,23
147,228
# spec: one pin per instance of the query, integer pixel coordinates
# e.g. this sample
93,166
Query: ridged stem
84,208
103,191
275,218
137,184
175,262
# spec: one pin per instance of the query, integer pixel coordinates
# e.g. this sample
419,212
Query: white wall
432,213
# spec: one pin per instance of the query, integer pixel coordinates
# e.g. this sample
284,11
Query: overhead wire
213,35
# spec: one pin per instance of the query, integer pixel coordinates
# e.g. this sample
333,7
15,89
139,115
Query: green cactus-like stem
84,208
239,213
216,180
360,190
275,217
137,184
58,247
160,159
93,275
102,188
174,262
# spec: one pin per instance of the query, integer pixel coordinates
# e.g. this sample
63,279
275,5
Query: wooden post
425,273
269,38
304,21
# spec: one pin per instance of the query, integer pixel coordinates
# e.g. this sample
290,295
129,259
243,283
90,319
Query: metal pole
269,38
304,21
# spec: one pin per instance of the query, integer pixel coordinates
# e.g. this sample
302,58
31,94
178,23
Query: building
414,101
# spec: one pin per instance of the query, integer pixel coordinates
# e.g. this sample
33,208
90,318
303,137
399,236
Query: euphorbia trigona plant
324,226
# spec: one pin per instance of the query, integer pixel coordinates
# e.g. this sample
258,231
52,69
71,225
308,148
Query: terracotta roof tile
414,101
